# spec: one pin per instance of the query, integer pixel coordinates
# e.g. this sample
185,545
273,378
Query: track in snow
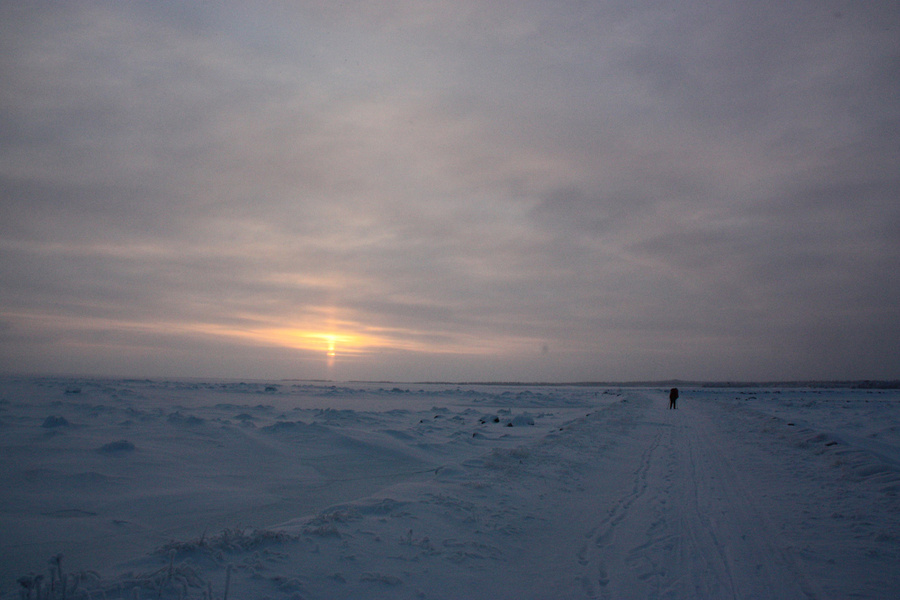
688,524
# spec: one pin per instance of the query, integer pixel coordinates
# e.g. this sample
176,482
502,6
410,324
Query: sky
546,190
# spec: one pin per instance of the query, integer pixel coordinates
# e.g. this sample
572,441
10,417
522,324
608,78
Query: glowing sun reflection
331,354
330,343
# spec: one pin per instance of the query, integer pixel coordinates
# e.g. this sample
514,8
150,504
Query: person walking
673,397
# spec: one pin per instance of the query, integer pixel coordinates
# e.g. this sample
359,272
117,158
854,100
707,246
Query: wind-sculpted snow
290,490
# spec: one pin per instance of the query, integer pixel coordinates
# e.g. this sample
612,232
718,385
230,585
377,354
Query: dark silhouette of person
673,397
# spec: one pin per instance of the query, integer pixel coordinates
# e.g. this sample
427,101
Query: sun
326,341
333,342
331,354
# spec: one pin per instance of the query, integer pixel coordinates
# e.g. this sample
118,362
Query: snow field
254,490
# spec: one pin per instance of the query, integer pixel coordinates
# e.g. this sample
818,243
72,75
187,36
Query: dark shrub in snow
116,447
53,421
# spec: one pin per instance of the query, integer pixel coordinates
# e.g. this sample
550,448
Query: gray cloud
646,190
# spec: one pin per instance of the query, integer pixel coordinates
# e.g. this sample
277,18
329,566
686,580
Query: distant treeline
865,384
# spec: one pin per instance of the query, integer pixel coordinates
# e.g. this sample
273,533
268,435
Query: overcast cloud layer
451,190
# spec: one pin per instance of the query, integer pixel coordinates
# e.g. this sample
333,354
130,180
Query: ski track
687,525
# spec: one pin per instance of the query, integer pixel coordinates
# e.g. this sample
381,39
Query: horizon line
703,383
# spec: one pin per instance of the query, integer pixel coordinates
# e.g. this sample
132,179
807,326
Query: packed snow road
692,521
722,502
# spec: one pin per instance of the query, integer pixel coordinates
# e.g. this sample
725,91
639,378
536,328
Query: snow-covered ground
140,489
